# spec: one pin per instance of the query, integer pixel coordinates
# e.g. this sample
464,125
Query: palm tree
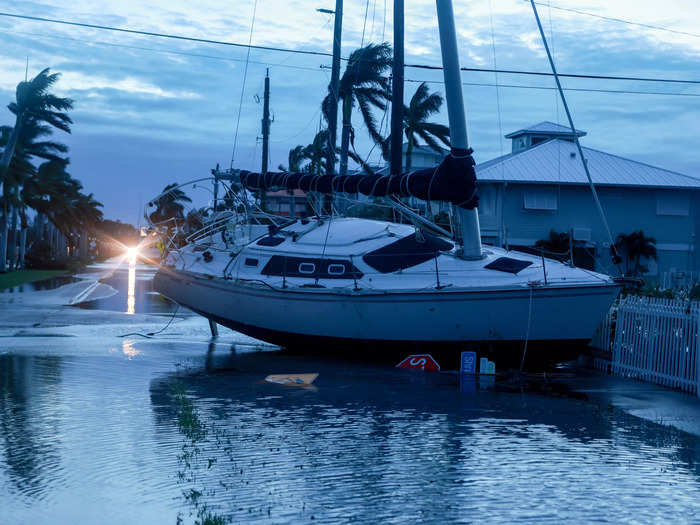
557,243
295,159
634,247
195,219
363,83
35,104
317,154
36,110
415,122
170,204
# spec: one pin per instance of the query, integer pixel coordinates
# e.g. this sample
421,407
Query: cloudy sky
150,111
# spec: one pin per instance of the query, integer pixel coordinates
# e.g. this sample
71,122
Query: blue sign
468,365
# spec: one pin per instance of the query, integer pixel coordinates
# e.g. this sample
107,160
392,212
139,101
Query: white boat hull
448,315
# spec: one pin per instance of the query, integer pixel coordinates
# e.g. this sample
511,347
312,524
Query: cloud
155,109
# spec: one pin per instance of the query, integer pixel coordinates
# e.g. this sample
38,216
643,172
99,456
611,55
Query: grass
193,428
8,280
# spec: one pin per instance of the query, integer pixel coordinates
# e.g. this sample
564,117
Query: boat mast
265,136
469,219
397,83
334,87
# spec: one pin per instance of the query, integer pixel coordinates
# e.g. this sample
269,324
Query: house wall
504,219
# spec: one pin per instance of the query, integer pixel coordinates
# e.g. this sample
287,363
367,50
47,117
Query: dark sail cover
454,180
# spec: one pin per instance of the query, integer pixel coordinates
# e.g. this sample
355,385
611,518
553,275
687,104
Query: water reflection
44,284
131,290
28,393
373,444
129,350
134,285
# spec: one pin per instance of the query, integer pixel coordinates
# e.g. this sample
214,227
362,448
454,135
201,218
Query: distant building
423,156
280,203
541,186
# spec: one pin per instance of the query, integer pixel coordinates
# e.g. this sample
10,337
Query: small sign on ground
420,362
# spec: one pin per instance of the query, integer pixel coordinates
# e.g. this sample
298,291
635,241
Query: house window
487,200
672,203
540,199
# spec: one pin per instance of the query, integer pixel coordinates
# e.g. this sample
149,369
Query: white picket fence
652,339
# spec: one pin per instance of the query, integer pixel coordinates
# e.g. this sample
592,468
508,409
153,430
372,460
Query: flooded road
97,428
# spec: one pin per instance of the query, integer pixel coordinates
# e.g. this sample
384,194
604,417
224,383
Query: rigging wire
501,191
364,24
384,22
245,76
556,104
498,92
573,128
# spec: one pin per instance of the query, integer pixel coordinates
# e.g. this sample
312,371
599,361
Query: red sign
420,362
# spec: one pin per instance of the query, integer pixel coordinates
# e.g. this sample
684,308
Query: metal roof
557,162
421,148
545,128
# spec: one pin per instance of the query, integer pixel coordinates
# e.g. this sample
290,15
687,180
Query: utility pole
396,161
265,137
334,87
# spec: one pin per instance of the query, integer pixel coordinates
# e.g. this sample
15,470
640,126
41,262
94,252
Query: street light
327,11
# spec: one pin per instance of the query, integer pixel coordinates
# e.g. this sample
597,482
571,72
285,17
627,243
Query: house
541,186
423,156
286,203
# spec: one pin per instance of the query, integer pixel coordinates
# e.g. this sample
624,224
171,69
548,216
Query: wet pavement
98,428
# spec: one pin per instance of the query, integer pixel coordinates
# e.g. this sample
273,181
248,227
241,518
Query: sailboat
336,282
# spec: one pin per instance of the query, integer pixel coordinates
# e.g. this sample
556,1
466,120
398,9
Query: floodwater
97,428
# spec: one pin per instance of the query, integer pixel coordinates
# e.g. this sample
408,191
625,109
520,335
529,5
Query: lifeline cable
527,333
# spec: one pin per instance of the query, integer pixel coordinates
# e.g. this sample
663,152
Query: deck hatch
508,265
410,251
270,241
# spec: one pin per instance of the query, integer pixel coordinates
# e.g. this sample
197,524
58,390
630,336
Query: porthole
336,269
251,262
307,268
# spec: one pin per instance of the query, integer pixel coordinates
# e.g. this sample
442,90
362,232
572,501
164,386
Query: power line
165,35
620,20
325,54
160,50
568,75
586,90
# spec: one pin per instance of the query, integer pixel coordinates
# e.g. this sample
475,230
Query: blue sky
151,111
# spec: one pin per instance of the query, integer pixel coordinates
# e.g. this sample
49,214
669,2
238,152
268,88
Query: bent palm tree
415,124
415,121
294,160
363,83
170,204
317,153
34,106
34,103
